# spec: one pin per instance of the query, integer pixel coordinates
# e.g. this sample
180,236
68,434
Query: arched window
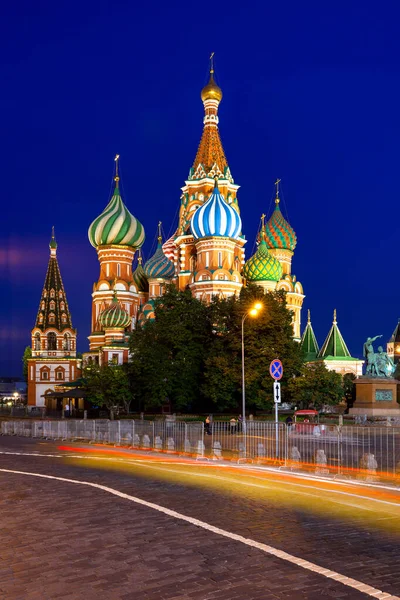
51,341
52,305
67,342
52,318
37,341
52,293
40,318
118,270
62,306
60,294
42,305
63,318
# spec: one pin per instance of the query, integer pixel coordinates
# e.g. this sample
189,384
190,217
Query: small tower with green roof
309,342
335,354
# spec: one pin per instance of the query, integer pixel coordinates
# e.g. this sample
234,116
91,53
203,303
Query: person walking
232,425
207,425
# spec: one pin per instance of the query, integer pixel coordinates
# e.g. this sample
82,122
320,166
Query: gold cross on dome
262,219
116,159
212,62
277,182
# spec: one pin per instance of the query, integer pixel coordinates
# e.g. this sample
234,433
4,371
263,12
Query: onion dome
169,248
114,315
139,277
215,218
159,266
279,234
211,91
262,266
116,225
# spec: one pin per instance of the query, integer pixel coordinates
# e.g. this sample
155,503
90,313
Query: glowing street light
253,312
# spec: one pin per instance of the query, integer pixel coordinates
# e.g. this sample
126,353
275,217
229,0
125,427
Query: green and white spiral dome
116,226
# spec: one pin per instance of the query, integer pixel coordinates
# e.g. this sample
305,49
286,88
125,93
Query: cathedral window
221,277
45,373
42,305
118,270
52,318
62,306
205,278
44,293
207,260
64,318
107,270
128,269
220,259
40,318
60,374
52,305
52,293
60,294
51,341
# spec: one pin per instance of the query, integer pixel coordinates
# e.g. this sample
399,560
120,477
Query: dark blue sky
311,95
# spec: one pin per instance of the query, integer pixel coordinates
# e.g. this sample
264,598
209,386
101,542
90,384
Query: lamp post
253,312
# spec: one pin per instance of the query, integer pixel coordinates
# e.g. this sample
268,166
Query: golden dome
211,91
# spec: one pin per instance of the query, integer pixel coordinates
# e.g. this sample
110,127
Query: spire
334,345
396,334
309,342
277,199
210,158
53,244
53,308
116,178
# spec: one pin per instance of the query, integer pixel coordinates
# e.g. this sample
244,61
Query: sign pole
276,372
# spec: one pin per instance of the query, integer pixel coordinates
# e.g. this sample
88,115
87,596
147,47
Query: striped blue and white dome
216,218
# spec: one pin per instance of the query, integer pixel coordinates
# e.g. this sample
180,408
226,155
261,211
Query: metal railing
350,451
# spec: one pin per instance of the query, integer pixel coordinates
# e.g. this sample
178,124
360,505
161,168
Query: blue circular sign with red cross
276,369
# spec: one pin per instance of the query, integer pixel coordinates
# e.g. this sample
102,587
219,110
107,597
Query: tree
25,357
168,353
190,353
316,386
107,385
349,388
266,337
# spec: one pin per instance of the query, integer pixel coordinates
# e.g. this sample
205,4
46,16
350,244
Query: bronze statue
379,364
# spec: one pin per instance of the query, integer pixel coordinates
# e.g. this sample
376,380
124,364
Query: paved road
64,540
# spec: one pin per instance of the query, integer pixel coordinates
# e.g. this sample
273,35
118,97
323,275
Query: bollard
294,458
136,440
320,463
170,444
146,441
260,450
85,415
200,449
369,465
242,450
158,443
217,451
187,446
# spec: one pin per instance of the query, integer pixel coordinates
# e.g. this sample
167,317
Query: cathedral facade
206,254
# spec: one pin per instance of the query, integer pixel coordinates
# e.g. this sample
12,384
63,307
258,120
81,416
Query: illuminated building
53,361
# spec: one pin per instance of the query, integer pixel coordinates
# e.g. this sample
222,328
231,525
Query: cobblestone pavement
66,541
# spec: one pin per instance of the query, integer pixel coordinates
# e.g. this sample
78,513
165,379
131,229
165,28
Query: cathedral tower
209,254
53,339
116,234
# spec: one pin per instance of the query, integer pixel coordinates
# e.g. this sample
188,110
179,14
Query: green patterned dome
262,266
278,231
114,315
116,226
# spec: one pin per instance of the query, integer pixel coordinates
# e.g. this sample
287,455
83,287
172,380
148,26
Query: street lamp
253,312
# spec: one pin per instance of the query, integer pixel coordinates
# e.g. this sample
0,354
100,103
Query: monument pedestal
376,396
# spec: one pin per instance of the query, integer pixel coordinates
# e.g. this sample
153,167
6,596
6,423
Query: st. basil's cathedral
205,254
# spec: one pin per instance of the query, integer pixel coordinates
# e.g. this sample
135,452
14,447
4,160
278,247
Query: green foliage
25,357
316,386
107,385
349,388
191,353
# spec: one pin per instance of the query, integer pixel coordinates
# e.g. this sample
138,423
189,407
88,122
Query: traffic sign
277,392
276,369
